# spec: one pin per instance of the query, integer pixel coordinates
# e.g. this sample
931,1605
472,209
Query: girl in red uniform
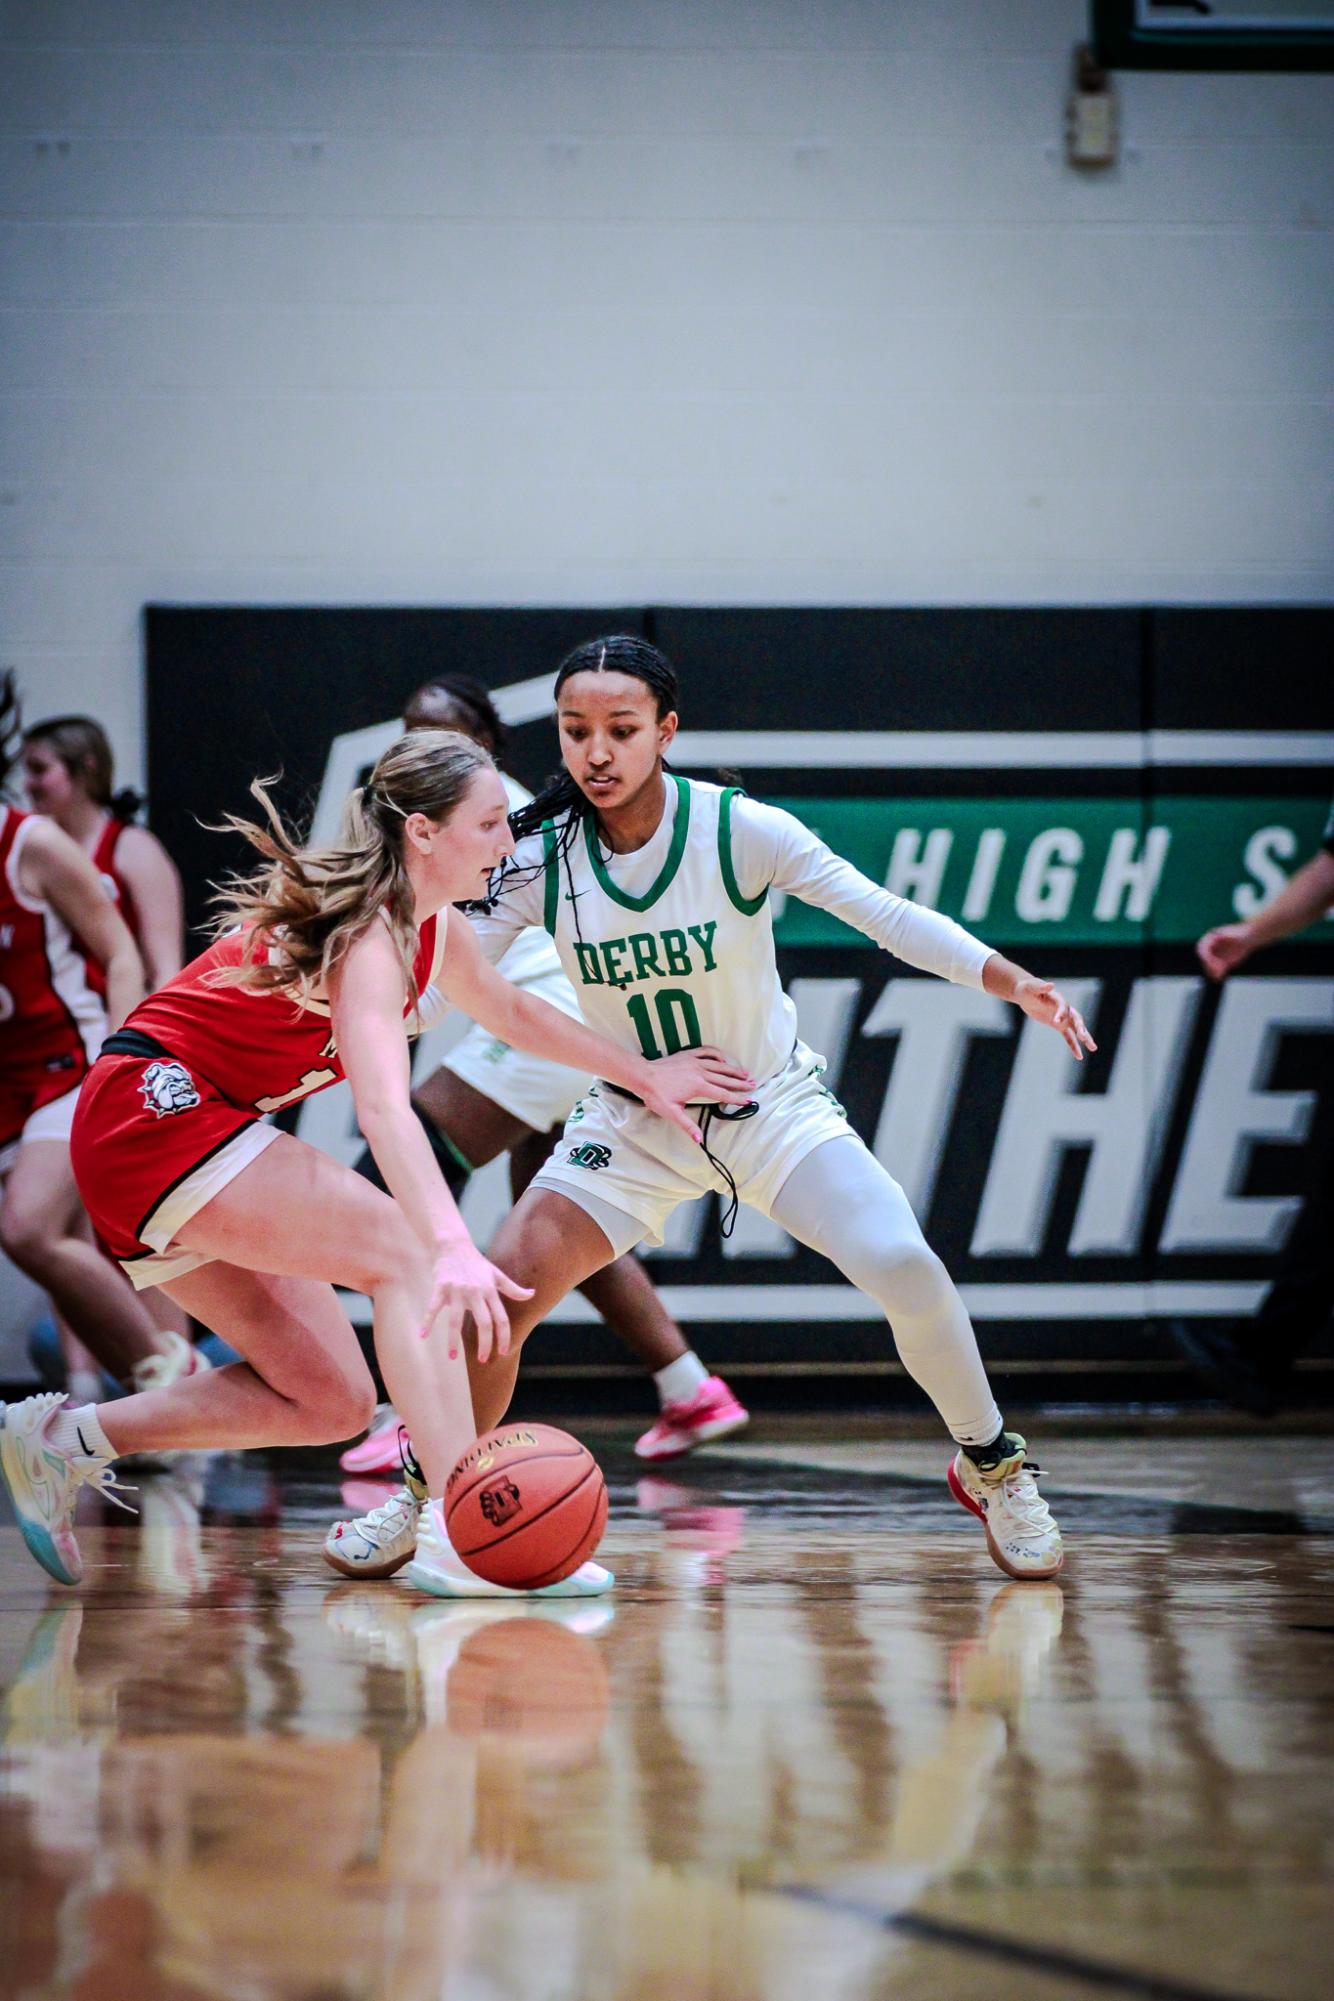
248,1228
53,912
68,773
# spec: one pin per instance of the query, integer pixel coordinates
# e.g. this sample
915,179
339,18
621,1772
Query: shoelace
383,1517
1025,1503
111,1488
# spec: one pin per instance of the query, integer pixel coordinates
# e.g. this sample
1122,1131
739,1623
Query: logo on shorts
589,1155
499,1501
168,1088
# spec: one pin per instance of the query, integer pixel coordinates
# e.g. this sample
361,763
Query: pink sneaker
378,1451
713,1412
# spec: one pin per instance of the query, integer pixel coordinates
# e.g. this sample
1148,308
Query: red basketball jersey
51,1020
259,1051
117,889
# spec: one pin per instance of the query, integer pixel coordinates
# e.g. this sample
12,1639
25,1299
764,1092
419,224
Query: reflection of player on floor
318,975
54,918
487,1099
656,893
1250,1364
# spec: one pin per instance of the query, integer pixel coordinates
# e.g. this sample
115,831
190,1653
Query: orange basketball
526,1505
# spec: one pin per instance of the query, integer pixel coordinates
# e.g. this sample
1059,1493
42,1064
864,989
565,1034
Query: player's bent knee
27,1239
911,1278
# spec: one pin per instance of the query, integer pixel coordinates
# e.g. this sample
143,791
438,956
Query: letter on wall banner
1124,1125
1047,882
1233,1110
933,1023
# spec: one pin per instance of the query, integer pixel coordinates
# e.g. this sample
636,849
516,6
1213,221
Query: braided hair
560,800
11,724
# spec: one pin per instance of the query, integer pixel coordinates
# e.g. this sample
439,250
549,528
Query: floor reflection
807,1749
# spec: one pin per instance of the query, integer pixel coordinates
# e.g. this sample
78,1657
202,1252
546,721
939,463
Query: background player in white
656,893
316,974
486,1099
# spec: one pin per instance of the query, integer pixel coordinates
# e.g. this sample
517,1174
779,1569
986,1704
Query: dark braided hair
560,799
453,700
11,724
619,653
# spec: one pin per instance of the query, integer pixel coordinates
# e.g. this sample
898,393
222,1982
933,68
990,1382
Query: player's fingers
483,1342
510,1286
677,1116
484,1304
433,1306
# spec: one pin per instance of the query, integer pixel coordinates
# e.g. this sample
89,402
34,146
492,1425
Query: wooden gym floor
814,1746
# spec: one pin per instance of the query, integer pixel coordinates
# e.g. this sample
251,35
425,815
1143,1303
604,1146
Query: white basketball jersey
532,956
662,948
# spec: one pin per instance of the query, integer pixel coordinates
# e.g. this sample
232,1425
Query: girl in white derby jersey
655,890
322,960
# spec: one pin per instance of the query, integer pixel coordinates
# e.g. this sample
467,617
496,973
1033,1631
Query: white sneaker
43,1483
1022,1536
441,1574
381,1542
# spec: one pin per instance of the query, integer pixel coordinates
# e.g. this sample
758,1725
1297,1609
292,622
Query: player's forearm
125,983
403,1156
1299,903
1001,977
543,1030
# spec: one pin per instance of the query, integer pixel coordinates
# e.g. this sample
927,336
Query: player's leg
553,1244
467,1130
840,1201
695,1405
41,1221
556,1244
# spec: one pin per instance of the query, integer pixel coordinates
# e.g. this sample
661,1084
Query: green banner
1078,871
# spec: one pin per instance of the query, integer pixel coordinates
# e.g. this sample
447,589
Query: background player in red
52,910
327,956
484,1100
68,773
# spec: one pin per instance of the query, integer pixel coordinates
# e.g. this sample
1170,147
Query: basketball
526,1505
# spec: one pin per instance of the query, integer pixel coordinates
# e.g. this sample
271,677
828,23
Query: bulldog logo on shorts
168,1088
589,1155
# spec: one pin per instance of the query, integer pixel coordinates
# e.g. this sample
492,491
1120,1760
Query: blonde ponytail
306,905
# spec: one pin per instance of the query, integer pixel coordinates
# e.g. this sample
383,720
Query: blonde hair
309,904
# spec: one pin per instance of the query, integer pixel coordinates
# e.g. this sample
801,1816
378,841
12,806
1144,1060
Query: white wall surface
422,301
564,300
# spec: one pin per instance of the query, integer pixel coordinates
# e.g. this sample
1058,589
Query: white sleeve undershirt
772,849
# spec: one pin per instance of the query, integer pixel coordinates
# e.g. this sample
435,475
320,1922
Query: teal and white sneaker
1022,1535
436,1570
43,1483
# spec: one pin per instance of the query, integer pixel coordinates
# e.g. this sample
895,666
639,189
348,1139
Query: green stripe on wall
1213,852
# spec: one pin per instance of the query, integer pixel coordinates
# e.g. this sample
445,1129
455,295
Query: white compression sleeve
771,847
840,1201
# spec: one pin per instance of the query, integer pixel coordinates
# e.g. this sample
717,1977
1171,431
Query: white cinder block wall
577,300
543,300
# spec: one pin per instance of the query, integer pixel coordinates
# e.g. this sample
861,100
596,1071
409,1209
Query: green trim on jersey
669,867
551,884
747,905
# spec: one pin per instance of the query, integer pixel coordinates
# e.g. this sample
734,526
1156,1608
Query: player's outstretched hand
694,1077
1041,1001
463,1282
1221,950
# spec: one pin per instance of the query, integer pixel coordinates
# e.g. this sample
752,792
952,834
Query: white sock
79,1432
681,1379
